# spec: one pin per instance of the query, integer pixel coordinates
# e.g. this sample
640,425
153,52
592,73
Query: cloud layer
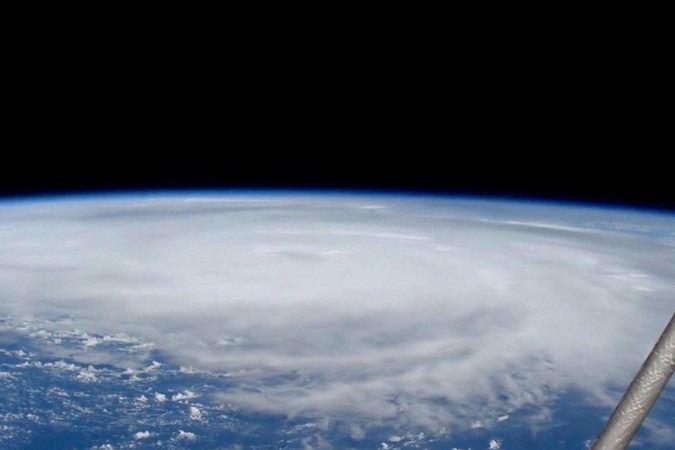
429,313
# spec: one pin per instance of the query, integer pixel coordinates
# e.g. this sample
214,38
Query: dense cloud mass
428,313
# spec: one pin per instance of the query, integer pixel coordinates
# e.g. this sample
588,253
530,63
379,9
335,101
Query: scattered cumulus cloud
186,435
142,435
88,375
195,413
185,395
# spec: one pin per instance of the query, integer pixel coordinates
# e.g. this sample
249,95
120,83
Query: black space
411,167
616,160
536,116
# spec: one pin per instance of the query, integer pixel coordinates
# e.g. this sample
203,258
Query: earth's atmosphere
326,321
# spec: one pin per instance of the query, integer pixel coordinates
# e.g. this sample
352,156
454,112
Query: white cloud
361,312
195,413
88,375
91,341
185,395
188,436
142,435
153,367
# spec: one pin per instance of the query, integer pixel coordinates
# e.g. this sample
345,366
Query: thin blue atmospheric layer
323,193
605,217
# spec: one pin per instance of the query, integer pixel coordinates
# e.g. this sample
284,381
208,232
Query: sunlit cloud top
430,313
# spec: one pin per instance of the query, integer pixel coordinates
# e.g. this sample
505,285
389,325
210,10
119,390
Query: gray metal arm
641,395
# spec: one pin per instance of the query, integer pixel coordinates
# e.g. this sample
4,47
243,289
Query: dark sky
567,149
564,122
405,164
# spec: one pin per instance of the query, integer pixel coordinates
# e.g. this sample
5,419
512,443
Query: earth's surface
298,321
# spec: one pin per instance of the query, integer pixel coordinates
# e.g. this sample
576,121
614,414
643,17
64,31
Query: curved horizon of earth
291,320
